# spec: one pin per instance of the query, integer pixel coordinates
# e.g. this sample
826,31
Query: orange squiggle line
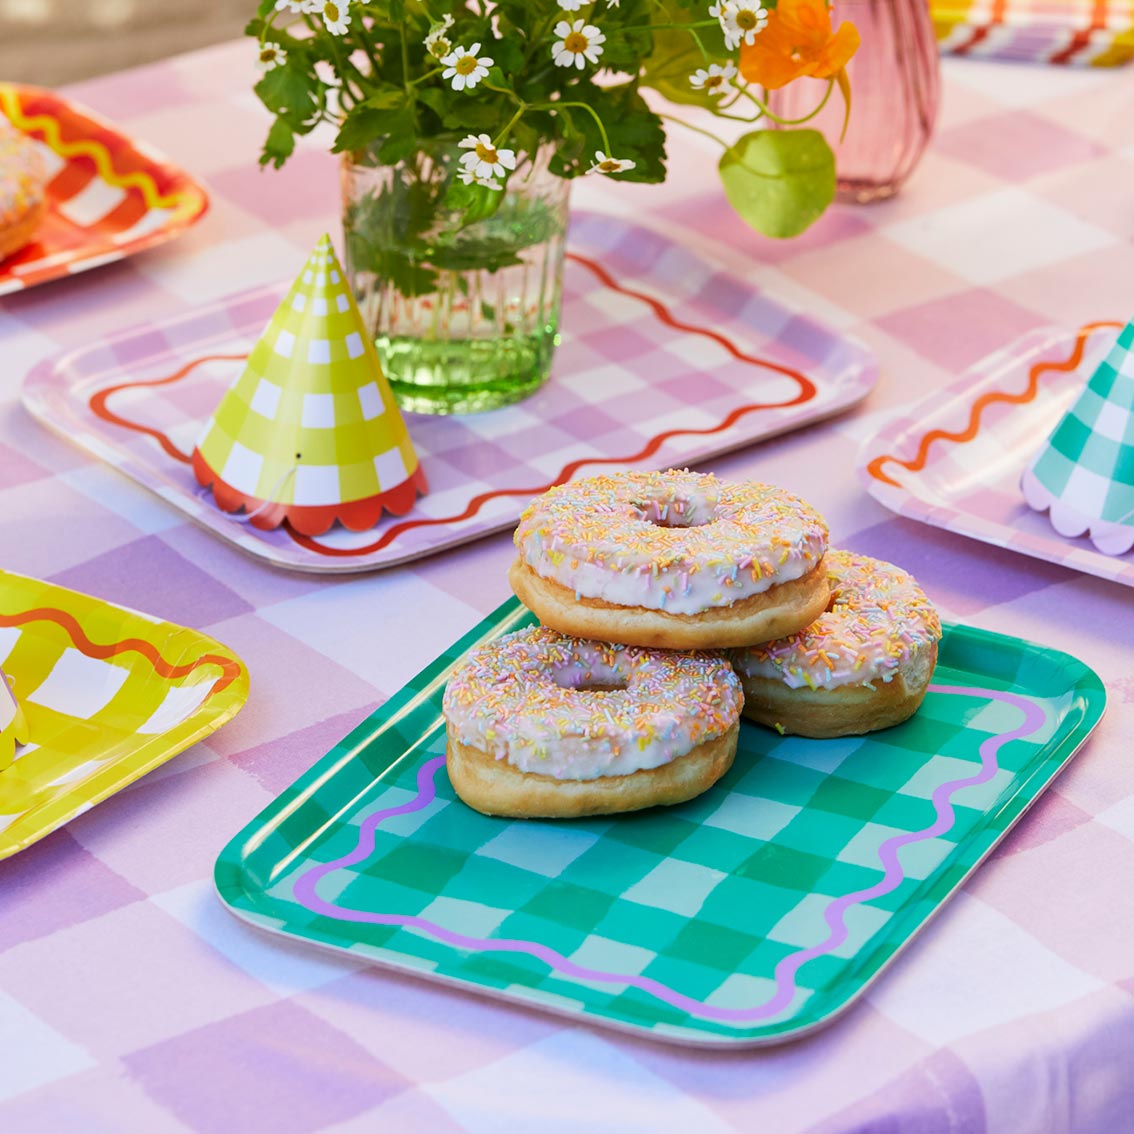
807,391
86,147
918,461
230,668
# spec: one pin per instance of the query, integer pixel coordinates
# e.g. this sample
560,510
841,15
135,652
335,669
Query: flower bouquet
461,125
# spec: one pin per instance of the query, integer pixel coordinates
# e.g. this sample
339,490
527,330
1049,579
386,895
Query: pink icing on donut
578,710
877,620
682,542
22,175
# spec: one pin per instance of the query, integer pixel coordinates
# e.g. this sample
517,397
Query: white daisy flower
271,55
714,80
336,15
468,177
437,43
742,21
572,5
465,68
576,42
293,5
604,163
483,158
613,3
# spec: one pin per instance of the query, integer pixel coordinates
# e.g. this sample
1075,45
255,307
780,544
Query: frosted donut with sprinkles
23,179
863,665
544,725
676,560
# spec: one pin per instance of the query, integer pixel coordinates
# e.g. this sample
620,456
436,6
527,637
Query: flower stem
503,135
591,111
763,107
696,129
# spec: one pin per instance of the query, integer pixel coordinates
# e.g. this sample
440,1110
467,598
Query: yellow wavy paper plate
108,694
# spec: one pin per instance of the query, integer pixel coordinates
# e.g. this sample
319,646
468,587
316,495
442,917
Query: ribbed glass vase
894,77
464,311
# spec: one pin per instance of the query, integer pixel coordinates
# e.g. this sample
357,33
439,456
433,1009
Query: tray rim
230,866
894,431
39,392
206,719
104,253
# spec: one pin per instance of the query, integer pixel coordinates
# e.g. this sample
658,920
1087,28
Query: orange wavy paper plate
107,197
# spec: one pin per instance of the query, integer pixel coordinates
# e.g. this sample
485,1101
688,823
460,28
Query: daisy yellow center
466,65
576,42
610,165
746,19
331,11
714,81
267,54
486,153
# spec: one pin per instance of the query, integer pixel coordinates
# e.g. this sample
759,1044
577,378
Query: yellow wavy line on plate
96,151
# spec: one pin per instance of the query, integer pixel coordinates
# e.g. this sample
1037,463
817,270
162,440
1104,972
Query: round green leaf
779,181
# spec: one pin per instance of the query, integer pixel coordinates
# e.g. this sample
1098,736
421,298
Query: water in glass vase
460,285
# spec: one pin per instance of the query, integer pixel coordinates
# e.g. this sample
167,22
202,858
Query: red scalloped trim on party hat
355,515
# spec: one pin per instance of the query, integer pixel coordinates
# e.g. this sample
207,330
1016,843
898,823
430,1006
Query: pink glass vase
894,77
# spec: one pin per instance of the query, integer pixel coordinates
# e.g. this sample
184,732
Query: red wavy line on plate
99,407
918,461
807,391
230,668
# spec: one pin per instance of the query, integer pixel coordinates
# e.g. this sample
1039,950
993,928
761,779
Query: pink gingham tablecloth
131,1000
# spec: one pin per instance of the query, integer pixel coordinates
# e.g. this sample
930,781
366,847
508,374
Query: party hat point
1083,474
13,724
309,432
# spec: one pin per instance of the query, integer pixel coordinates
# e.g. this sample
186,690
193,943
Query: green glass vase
459,284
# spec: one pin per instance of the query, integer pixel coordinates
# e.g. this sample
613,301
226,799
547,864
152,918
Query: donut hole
677,512
600,679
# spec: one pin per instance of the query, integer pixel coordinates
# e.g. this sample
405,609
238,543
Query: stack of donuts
726,600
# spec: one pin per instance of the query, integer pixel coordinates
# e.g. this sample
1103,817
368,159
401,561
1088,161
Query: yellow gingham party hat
309,432
13,725
1084,472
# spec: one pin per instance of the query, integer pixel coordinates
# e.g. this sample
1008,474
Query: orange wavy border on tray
807,391
230,668
918,462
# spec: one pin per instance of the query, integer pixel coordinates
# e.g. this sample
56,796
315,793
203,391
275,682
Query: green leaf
676,55
279,144
387,116
632,129
779,181
290,92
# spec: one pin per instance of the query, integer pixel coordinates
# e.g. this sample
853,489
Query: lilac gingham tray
954,460
665,360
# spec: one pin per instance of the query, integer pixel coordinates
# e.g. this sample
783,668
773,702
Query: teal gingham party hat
1084,473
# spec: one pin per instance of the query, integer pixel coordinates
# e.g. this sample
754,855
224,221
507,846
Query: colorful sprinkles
878,618
576,709
22,175
678,541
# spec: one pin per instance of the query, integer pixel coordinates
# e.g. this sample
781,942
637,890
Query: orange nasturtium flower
798,41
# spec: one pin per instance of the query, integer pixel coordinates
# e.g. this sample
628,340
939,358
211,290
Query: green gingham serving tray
749,915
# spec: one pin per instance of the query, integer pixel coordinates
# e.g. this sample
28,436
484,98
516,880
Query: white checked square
998,235
319,305
242,469
9,636
93,203
34,1054
947,769
805,925
605,955
180,703
318,411
319,351
354,345
544,850
317,485
1087,489
680,887
978,969
342,303
1119,817
79,686
266,399
307,276
611,380
285,344
751,816
298,301
371,401
459,916
918,860
629,1098
390,469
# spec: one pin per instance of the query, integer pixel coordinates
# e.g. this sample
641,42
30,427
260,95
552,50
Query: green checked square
746,916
